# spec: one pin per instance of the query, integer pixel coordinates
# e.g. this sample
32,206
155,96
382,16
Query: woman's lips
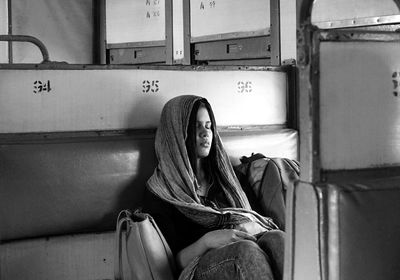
205,144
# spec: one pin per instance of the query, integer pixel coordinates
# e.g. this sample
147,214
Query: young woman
199,204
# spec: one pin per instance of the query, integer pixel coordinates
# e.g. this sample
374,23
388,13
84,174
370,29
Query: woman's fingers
218,238
244,235
252,228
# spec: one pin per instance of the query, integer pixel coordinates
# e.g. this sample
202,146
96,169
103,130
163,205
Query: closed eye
207,125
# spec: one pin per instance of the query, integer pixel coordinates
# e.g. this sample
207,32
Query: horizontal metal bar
356,22
355,35
49,66
30,39
359,175
143,44
232,35
74,136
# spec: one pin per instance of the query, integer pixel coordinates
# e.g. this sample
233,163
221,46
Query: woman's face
204,134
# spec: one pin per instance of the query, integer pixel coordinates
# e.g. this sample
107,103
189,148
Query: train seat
70,164
358,233
61,194
349,229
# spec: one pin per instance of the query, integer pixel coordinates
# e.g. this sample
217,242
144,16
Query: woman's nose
204,132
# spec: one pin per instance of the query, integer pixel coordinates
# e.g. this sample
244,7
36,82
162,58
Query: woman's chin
203,153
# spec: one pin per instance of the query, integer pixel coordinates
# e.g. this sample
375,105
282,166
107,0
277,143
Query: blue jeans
245,260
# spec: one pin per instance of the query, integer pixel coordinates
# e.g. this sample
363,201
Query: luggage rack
30,39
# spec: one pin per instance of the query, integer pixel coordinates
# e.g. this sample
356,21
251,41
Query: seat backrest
360,231
79,184
71,164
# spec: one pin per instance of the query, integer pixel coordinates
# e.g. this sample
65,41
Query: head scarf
175,182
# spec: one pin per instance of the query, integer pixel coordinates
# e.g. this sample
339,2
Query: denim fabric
273,243
245,260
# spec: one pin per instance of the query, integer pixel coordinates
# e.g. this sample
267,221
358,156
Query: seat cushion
73,184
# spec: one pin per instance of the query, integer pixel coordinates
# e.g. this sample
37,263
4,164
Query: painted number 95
244,86
150,86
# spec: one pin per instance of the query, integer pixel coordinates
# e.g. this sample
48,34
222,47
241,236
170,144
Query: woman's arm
211,240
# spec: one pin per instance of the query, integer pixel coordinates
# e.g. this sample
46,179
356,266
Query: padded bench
346,229
61,194
70,164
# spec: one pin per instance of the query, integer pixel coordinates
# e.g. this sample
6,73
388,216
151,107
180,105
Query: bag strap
168,251
123,217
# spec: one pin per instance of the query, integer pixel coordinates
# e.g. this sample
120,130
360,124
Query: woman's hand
251,228
211,240
218,238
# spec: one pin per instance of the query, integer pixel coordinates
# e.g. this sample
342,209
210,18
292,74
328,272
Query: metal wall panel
76,100
65,27
212,18
359,105
135,21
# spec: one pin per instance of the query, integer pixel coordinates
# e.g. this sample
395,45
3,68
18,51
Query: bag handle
118,273
168,251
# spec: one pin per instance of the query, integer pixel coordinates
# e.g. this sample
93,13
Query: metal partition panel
213,19
359,104
135,21
65,27
77,100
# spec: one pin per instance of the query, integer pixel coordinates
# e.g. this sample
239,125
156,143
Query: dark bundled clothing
180,231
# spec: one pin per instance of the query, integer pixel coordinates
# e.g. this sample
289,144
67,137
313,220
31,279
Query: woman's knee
246,250
272,241
239,260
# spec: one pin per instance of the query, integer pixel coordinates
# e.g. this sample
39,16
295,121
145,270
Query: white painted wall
73,100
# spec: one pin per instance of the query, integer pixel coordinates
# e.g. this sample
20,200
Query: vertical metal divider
290,229
169,52
187,59
10,44
308,53
180,34
99,34
275,15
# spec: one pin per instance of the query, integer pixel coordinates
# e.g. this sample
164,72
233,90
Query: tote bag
141,249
